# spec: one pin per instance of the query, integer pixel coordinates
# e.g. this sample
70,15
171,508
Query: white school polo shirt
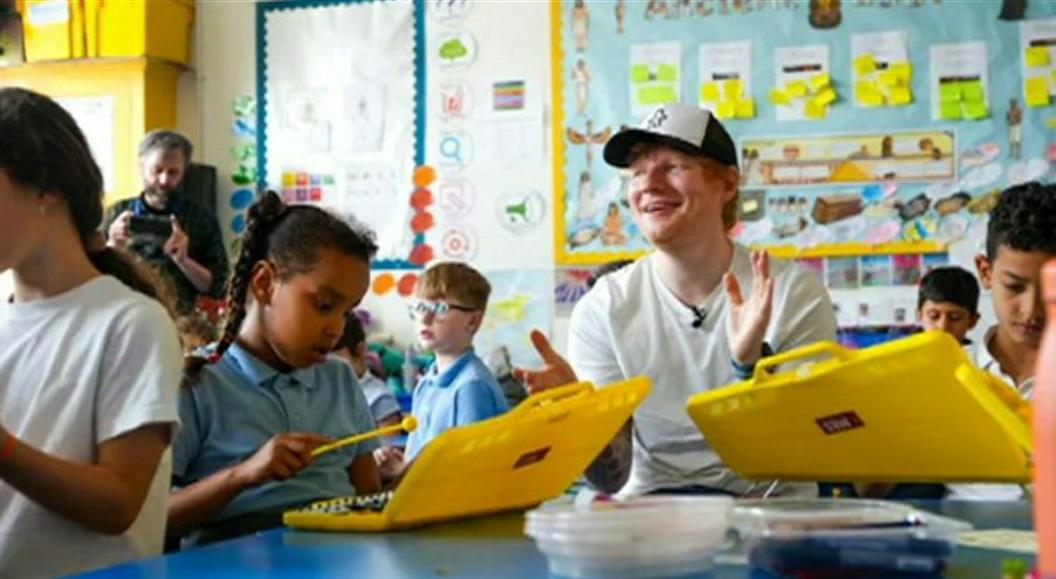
991,492
76,370
631,324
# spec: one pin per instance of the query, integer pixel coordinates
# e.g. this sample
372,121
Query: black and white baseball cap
687,128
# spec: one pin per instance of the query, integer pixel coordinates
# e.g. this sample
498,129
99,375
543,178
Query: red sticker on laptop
842,422
531,457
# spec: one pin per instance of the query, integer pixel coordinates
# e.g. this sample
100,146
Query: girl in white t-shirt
88,366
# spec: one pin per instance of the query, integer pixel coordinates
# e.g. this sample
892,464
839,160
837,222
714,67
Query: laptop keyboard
374,502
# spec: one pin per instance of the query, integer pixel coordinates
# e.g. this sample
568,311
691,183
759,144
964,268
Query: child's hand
280,458
748,318
556,371
390,462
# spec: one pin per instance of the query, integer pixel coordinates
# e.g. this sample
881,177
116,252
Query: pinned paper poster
520,209
508,95
881,69
459,242
802,82
456,49
959,81
456,100
726,79
455,199
655,76
455,150
1038,43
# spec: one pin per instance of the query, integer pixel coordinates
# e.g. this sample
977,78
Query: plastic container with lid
844,538
646,537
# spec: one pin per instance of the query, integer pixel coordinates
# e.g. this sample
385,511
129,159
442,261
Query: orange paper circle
407,284
421,254
422,222
421,198
384,283
424,176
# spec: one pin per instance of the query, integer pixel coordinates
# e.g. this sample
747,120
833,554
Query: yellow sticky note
820,81
709,92
734,88
289,179
639,73
865,64
950,92
1037,92
889,79
873,99
826,97
1038,56
797,88
816,110
976,110
903,70
726,110
972,91
901,96
779,97
951,111
746,109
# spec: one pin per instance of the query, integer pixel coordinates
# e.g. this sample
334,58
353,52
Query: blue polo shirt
239,403
465,393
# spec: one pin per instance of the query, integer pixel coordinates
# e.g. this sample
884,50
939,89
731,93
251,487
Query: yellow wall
144,93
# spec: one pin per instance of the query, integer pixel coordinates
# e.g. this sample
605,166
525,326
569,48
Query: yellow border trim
557,81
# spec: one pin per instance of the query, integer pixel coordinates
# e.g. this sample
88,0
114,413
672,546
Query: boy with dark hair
1020,238
948,300
352,347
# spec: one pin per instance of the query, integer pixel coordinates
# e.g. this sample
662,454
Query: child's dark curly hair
1024,220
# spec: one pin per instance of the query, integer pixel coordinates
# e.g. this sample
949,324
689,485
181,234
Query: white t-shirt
991,492
631,324
79,369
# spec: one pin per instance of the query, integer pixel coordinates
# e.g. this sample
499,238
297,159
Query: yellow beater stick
409,423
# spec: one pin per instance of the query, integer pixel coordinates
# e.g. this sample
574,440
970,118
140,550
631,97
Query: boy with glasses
458,388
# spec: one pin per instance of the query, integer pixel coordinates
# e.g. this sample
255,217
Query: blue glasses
419,309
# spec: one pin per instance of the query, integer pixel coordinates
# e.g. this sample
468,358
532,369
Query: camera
149,225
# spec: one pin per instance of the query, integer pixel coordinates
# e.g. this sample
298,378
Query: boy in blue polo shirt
458,388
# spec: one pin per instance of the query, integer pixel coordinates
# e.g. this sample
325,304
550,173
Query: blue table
489,547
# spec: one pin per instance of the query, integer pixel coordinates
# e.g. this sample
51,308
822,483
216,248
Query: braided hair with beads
291,237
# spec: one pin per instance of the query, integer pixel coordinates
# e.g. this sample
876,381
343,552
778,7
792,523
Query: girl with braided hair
270,393
89,362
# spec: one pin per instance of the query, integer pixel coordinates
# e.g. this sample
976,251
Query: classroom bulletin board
341,89
863,126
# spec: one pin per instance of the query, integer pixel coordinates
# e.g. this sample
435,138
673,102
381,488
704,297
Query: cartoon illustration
580,22
518,210
621,15
655,8
704,10
589,204
583,236
453,50
581,76
825,14
1015,128
588,138
613,233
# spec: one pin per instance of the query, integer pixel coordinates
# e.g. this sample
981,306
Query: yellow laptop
912,410
513,461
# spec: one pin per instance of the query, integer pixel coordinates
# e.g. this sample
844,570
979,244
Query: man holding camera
168,229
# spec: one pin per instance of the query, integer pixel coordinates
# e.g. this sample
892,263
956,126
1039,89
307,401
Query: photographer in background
168,229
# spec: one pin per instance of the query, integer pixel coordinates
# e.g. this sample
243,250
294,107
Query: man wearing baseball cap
694,315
